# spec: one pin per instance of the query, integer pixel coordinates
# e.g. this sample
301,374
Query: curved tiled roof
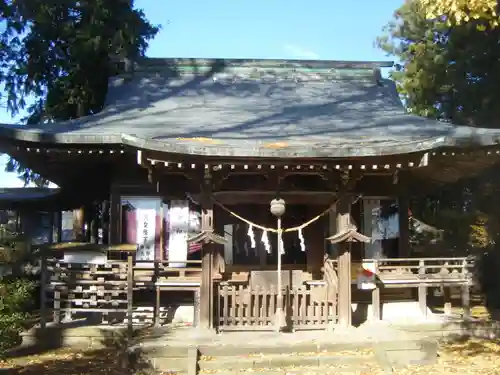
257,108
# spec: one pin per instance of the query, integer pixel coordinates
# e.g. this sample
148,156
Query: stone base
393,312
184,314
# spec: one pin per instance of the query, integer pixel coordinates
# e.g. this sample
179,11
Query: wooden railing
73,290
242,308
422,273
401,272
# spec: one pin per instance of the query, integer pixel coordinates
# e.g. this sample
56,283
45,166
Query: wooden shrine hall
274,190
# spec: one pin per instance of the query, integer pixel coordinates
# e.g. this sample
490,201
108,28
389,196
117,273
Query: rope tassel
282,245
265,241
251,234
302,241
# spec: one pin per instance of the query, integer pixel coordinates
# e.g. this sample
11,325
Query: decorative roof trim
214,149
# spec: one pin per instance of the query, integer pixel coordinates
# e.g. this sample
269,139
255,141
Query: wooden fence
105,293
242,308
423,274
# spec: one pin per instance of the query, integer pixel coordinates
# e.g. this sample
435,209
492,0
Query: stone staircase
288,363
278,360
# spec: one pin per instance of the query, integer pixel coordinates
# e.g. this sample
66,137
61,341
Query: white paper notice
146,233
178,233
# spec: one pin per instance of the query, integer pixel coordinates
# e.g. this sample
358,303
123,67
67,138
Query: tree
62,54
450,71
462,11
447,72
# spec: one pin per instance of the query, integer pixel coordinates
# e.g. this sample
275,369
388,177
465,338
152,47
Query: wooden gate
244,308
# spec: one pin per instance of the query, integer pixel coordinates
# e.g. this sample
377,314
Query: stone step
168,364
351,369
177,350
275,358
278,361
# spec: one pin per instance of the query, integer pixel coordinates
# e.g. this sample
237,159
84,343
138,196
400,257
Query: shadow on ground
468,346
118,354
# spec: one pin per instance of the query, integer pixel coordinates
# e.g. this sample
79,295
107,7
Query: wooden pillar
43,290
219,261
332,225
158,266
57,237
466,301
465,292
156,278
263,215
79,225
206,288
447,300
105,221
130,293
114,223
315,245
346,234
57,307
207,257
403,208
376,302
422,290
344,263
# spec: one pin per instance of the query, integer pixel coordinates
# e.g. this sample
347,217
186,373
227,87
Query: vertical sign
146,231
142,222
178,227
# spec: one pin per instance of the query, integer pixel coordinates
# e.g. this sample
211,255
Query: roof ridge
300,70
149,63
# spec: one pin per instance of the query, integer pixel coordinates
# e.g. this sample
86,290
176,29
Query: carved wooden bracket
206,237
207,234
349,235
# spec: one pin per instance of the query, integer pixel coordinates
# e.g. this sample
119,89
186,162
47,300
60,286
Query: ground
479,357
466,356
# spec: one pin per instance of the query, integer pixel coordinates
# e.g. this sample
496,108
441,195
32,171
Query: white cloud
299,52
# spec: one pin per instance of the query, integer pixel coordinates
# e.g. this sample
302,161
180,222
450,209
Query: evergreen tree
62,55
451,72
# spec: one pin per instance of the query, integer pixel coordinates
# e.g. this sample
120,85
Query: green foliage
16,301
62,54
447,72
16,291
451,72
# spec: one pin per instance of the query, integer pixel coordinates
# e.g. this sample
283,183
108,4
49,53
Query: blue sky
292,29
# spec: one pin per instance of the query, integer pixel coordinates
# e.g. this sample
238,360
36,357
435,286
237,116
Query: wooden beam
324,198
